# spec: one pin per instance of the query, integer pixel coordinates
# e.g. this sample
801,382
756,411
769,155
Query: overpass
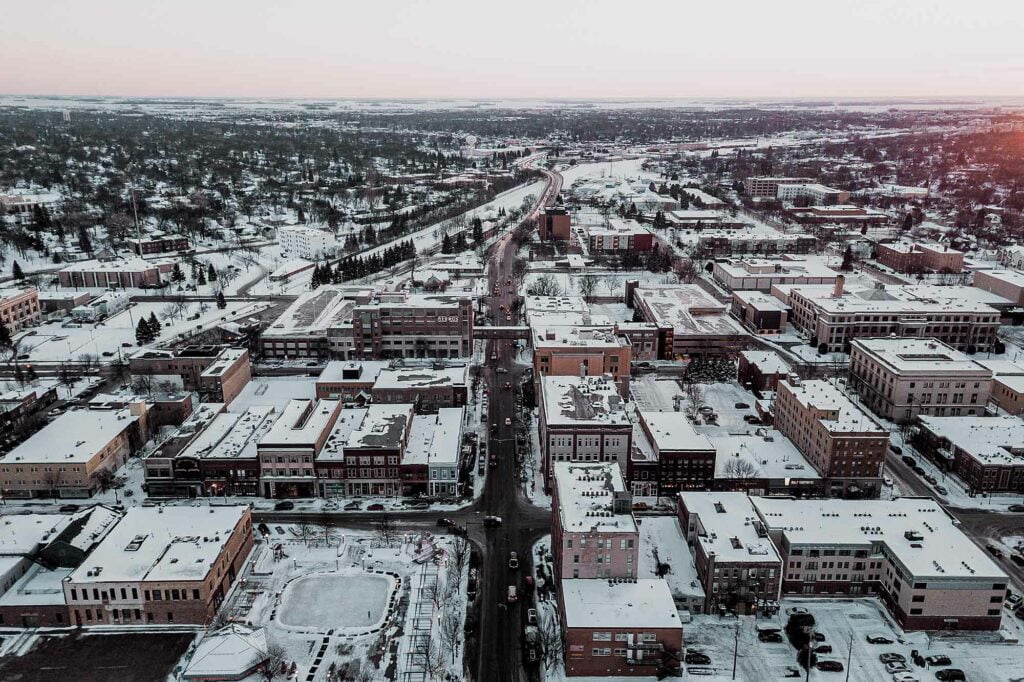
501,332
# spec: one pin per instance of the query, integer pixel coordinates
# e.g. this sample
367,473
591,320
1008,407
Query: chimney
837,292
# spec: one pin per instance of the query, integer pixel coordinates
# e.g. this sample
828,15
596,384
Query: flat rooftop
637,603
301,423
314,311
120,265
728,527
672,431
161,544
769,362
435,439
990,441
939,550
377,426
74,437
758,300
562,336
687,309
776,267
225,361
585,495
662,541
421,377
232,435
578,401
360,371
775,459
22,534
844,414
924,356
908,299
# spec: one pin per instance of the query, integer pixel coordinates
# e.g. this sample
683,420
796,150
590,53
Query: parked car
697,658
1017,559
818,636
829,666
1016,508
492,521
950,675
937,660
353,505
919,470
741,406
931,479
1013,600
770,637
896,449
284,505
823,649
376,506
941,490
892,657
513,560
69,507
512,595
909,461
905,677
878,638
896,667
994,551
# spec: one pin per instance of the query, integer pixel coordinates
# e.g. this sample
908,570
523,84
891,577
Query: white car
896,667
905,677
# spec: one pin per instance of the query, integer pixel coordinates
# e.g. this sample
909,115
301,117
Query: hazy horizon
570,50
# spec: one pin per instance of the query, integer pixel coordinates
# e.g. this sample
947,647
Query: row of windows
155,595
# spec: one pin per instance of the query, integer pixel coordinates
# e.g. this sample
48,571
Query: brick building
287,451
158,243
134,272
576,350
554,224
986,453
668,455
19,308
761,370
915,258
218,374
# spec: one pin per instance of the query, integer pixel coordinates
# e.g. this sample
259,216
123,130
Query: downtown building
19,308
689,321
581,351
985,453
900,379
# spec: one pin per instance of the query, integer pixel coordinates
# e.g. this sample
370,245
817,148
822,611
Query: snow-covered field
52,342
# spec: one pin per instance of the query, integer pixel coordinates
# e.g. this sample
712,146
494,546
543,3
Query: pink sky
523,48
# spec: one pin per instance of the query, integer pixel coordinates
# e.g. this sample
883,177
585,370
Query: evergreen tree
446,244
221,303
478,230
176,274
142,332
5,336
201,277
211,274
154,324
847,259
16,271
84,241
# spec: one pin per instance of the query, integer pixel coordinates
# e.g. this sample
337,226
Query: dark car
818,636
445,522
1017,559
741,406
938,660
950,675
823,649
879,639
829,666
919,470
284,505
697,658
492,521
909,461
69,507
994,551
376,506
770,637
896,449
1016,508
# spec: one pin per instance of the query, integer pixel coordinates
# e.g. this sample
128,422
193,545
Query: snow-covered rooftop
987,440
729,527
301,424
661,541
435,439
547,336
74,437
572,400
586,493
839,413
776,458
769,362
421,377
161,544
362,371
917,532
687,309
228,653
919,356
619,604
672,431
901,299
21,534
232,435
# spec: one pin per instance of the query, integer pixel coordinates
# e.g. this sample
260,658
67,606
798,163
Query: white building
299,241
100,308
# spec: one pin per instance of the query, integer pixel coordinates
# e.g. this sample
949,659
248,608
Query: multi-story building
19,308
101,307
734,243
158,243
902,378
64,458
908,551
579,350
134,272
25,205
759,312
668,455
1008,284
363,454
310,243
348,380
986,453
761,370
690,322
815,194
428,388
161,565
619,236
583,419
362,324
736,561
218,374
594,534
768,186
761,274
288,449
843,443
620,628
962,317
554,224
917,257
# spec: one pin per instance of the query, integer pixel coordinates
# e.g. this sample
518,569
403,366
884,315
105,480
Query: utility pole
849,657
735,649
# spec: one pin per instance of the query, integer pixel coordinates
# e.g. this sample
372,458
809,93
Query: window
917,598
170,617
602,636
915,612
195,594
601,652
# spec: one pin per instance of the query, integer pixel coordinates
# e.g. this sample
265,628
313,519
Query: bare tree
306,530
694,393
326,532
52,478
587,284
739,468
545,285
687,270
143,383
550,641
102,478
66,376
87,362
450,627
459,552
384,529
519,269
272,663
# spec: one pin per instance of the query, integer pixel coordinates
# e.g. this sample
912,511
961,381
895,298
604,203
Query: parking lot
984,656
141,657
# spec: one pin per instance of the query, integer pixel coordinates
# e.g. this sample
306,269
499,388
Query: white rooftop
626,604
912,356
988,440
841,413
421,377
74,437
673,431
687,309
228,653
938,550
362,371
435,439
585,495
661,541
571,400
22,534
301,424
728,527
769,362
232,435
161,544
777,458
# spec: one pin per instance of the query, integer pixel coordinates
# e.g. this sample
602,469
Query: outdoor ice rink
335,601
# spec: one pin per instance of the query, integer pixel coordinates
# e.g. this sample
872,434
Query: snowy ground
52,342
654,393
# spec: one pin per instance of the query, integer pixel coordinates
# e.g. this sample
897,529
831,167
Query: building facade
19,308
